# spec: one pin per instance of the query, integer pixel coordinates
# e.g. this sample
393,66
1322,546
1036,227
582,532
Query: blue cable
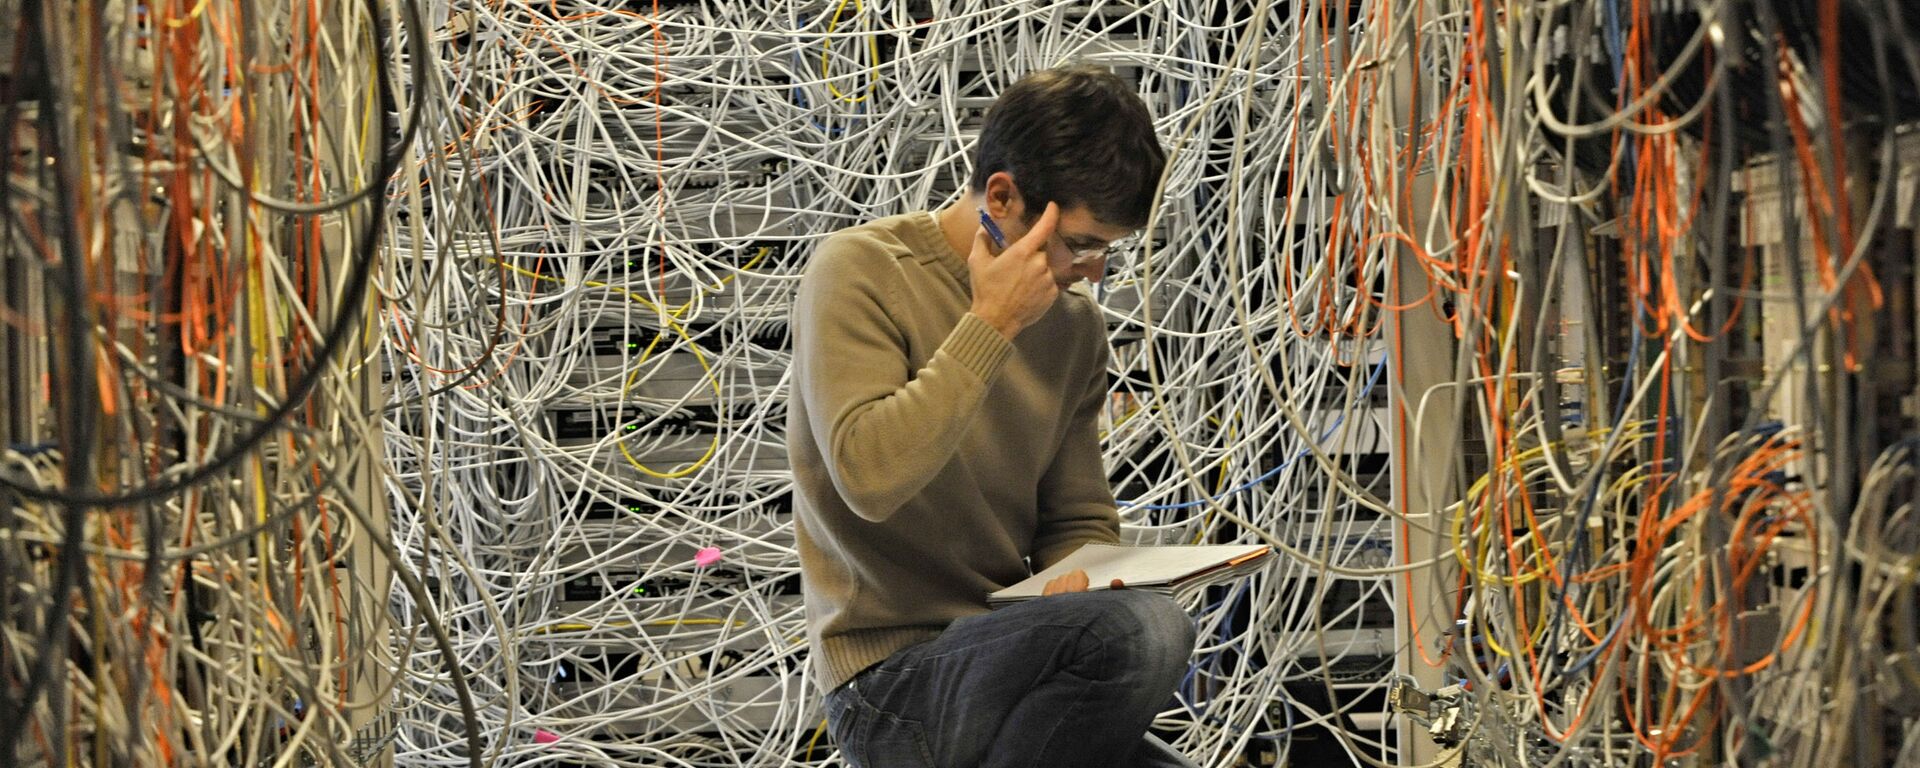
800,97
1190,693
1577,553
1190,698
1617,46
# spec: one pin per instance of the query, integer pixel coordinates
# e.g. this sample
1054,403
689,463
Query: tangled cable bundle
411,377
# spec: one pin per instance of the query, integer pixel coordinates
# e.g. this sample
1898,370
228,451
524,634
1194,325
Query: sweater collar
933,240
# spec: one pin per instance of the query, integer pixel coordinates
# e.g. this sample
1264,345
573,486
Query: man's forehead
1078,224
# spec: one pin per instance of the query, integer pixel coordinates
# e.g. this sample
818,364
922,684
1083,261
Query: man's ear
1003,197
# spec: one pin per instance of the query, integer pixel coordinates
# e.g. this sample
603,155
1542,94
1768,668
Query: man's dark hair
1076,135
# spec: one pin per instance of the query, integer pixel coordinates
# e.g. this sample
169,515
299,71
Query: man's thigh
952,695
954,692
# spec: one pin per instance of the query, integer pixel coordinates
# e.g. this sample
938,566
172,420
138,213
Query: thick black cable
12,92
416,52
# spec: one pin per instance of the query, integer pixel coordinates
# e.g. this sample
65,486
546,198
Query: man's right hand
1013,289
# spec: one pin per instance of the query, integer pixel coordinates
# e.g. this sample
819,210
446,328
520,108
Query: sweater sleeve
1076,504
884,429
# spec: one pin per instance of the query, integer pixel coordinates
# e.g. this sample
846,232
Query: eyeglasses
1113,252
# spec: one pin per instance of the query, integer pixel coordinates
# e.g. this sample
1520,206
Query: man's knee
1147,632
1167,633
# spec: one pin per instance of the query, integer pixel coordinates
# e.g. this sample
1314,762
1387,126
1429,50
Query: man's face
1076,250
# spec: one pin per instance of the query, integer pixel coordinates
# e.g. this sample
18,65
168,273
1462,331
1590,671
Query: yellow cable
1482,538
826,53
1220,485
816,739
198,8
669,318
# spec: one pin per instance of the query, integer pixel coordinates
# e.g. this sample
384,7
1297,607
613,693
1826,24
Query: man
944,440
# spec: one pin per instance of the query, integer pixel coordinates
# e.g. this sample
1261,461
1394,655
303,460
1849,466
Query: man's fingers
1036,238
1073,581
1117,584
983,253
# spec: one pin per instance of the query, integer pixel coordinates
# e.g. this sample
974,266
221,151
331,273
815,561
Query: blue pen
993,230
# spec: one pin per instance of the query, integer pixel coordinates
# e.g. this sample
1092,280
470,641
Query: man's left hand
1072,581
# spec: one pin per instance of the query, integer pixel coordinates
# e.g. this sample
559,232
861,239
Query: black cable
1786,178
1734,689
417,52
13,90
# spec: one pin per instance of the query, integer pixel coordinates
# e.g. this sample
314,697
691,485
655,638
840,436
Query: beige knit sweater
931,457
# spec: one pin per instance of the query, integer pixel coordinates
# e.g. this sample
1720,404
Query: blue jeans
1062,681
